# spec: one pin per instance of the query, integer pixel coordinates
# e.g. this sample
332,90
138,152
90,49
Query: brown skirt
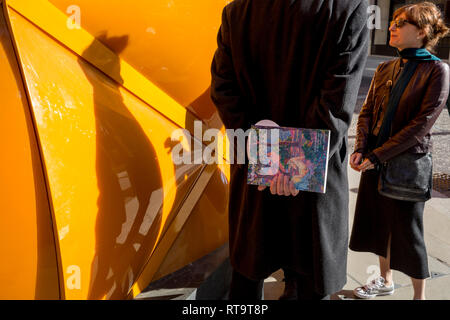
377,218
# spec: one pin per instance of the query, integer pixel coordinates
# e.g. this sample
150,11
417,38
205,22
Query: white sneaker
373,289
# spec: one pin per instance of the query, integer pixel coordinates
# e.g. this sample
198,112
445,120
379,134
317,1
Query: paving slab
437,228
438,288
364,267
435,289
274,286
347,292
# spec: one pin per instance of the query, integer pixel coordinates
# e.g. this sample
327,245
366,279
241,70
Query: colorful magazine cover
300,153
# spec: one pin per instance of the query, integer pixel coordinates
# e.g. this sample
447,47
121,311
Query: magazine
299,153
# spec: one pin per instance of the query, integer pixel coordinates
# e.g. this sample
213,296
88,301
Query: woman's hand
355,161
366,165
281,185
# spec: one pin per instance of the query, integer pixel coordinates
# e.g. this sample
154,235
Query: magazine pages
299,153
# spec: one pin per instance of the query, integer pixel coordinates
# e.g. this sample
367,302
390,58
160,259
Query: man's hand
281,185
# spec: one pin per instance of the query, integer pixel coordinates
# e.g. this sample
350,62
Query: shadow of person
128,177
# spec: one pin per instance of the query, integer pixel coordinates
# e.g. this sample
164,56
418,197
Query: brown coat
298,63
418,109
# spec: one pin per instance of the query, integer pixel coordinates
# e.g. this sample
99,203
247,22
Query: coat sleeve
335,104
365,118
225,91
433,103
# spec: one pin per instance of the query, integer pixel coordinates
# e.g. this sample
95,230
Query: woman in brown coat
390,228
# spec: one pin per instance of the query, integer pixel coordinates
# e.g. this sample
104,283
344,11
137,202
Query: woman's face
407,36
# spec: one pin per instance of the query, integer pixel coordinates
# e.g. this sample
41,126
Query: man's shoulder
234,8
334,5
233,5
349,5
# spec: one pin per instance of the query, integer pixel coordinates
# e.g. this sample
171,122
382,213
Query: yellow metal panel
172,232
114,189
185,98
113,184
198,238
171,43
28,268
54,22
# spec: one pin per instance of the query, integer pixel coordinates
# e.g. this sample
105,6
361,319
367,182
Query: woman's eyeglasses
401,22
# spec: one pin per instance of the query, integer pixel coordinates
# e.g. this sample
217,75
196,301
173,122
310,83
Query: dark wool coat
298,63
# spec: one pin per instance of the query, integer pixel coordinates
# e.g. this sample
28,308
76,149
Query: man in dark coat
298,63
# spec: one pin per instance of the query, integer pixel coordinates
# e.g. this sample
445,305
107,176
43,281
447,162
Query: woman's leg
410,251
419,288
385,266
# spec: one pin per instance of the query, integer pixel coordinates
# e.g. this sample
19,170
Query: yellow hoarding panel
171,42
67,22
113,185
28,268
93,105
54,22
198,238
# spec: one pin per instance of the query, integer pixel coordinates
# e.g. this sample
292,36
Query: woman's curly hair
428,18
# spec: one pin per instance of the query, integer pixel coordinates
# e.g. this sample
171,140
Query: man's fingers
286,179
261,188
292,189
280,185
273,185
